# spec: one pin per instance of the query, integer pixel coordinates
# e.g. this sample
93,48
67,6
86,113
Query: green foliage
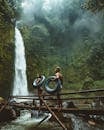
6,12
94,5
6,60
96,61
6,48
99,84
15,5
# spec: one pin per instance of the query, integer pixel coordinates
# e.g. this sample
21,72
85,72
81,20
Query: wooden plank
65,110
75,92
70,98
84,91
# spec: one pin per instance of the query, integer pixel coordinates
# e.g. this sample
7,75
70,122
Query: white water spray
20,79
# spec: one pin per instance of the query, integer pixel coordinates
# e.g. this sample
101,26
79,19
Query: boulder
69,104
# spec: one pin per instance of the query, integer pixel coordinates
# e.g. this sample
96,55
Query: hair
57,69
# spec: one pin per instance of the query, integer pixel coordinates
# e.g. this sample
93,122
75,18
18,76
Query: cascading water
20,79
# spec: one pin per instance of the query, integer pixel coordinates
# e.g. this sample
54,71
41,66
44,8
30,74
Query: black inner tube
57,87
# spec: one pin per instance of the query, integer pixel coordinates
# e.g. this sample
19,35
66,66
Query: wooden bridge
80,105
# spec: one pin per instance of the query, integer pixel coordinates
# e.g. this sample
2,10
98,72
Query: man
60,77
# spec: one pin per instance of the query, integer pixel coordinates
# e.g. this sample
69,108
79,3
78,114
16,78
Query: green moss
6,48
7,58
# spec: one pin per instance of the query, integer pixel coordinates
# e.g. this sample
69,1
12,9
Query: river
25,122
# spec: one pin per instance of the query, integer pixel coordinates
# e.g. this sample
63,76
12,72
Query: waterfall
20,79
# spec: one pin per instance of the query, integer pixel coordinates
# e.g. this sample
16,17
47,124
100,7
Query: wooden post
54,115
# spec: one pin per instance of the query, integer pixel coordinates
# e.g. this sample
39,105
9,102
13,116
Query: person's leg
59,102
40,102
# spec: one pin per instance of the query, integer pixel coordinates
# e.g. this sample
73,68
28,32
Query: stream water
25,122
80,124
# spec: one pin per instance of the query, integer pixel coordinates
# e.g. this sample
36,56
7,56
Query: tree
94,5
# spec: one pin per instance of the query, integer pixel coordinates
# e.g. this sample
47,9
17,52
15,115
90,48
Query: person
59,75
40,90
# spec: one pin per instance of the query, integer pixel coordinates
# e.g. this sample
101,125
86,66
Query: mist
64,19
60,13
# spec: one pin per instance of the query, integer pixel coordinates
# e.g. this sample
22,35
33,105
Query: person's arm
38,80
